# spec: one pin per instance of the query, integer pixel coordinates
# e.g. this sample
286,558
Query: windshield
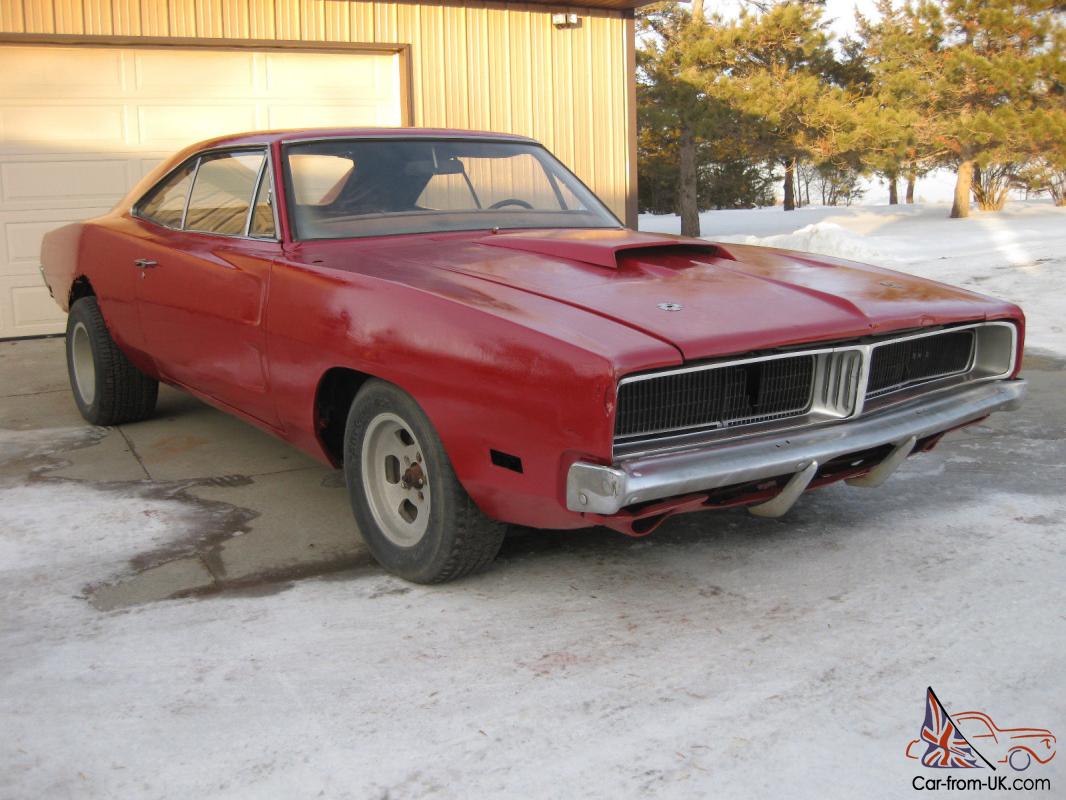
343,188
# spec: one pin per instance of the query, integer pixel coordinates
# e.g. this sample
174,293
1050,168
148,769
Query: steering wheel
511,201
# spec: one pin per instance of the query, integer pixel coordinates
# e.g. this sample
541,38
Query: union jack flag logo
946,747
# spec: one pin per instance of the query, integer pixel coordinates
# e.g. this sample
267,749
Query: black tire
458,539
118,392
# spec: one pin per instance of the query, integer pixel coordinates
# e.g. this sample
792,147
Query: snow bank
823,238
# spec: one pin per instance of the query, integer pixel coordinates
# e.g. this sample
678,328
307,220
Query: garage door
79,125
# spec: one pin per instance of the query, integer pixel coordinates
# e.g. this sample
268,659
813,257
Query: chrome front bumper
596,489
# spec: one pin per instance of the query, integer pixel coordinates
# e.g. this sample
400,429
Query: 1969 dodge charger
456,320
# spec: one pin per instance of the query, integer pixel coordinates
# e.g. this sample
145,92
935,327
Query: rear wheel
1020,759
415,516
108,389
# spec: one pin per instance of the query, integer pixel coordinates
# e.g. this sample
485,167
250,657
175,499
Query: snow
1018,254
724,655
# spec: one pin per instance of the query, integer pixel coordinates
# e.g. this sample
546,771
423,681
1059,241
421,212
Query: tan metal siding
496,66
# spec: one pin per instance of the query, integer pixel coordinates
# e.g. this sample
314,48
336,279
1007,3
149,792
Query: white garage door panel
174,126
80,125
85,71
59,181
28,127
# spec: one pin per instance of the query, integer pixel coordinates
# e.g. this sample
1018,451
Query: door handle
144,263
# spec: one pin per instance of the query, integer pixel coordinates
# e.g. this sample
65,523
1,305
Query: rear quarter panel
59,260
102,251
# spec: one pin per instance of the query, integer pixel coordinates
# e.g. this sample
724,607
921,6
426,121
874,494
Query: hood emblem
670,306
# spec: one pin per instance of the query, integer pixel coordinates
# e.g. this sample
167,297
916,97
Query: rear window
165,204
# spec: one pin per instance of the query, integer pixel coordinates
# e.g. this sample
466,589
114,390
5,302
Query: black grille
899,364
717,397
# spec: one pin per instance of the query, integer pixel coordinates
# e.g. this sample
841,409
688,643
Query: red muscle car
462,325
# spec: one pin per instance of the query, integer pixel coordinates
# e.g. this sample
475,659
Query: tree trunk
893,192
790,184
910,190
686,195
963,182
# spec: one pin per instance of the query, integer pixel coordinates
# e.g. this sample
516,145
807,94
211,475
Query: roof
303,134
585,4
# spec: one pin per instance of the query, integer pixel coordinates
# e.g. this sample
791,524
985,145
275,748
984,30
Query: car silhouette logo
959,740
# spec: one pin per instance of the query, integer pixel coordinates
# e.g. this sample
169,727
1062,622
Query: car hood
703,298
709,299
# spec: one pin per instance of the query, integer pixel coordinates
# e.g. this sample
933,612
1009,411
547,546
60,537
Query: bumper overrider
606,490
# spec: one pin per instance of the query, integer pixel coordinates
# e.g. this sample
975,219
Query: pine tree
670,105
776,70
891,61
996,83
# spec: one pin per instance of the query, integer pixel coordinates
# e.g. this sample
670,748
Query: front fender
511,372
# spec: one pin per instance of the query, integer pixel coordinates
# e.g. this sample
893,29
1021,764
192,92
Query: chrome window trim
198,156
255,196
407,136
188,194
641,444
266,172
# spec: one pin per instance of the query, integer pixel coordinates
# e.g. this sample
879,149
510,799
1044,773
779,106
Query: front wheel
108,389
415,516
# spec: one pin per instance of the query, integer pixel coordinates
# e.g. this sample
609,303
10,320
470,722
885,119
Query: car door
203,285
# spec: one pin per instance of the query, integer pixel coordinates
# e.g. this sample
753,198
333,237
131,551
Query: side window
222,193
166,202
975,727
262,225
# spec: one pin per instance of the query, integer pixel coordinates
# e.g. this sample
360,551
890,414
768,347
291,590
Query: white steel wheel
413,513
395,479
83,364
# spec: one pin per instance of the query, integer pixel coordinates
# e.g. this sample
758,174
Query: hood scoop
603,248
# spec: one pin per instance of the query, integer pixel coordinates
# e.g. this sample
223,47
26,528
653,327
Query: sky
840,12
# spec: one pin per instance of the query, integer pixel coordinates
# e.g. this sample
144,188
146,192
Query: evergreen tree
670,106
996,83
890,62
777,71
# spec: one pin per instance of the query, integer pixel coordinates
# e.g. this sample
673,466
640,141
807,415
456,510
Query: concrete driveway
724,654
270,513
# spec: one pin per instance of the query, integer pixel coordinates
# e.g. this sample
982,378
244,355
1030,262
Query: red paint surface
508,341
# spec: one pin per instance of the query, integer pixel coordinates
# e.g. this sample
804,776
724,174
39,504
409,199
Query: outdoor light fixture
565,20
